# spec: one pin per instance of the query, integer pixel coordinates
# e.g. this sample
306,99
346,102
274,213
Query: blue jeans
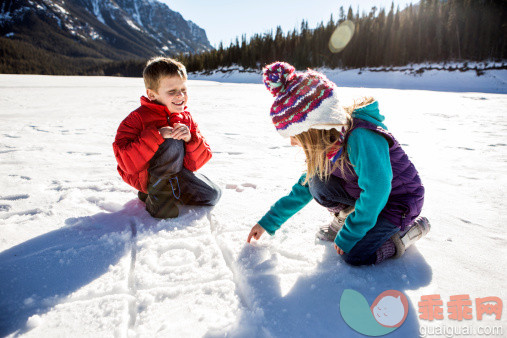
330,193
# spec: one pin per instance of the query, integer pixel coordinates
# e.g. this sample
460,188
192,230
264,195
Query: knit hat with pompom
302,100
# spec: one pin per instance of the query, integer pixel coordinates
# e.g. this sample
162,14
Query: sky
224,20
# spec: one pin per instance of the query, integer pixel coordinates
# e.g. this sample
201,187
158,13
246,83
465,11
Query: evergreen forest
435,31
432,31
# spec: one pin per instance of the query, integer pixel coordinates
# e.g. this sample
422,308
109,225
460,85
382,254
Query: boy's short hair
158,67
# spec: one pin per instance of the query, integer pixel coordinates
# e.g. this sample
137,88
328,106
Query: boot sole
325,236
417,231
421,227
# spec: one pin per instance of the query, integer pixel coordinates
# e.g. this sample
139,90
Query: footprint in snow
241,187
81,153
25,213
15,197
5,207
11,136
228,152
36,128
26,178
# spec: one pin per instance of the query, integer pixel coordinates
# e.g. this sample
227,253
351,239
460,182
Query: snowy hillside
80,257
115,30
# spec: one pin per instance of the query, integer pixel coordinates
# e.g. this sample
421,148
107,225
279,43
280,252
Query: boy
159,146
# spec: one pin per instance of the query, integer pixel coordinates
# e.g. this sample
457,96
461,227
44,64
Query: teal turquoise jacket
368,152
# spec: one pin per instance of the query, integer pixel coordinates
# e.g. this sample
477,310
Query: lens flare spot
341,36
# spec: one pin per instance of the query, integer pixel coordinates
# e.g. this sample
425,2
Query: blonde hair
159,67
317,143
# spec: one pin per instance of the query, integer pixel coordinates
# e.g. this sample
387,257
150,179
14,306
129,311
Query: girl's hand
181,132
256,232
338,250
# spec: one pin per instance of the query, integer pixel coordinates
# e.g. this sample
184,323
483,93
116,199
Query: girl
355,168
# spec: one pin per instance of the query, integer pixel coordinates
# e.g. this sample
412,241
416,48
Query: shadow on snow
312,307
39,273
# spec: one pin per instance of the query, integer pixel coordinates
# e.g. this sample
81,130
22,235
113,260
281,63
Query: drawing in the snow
80,255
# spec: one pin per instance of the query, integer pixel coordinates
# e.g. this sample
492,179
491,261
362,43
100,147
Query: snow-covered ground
80,257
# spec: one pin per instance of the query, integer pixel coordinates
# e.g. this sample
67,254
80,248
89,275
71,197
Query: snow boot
386,250
142,196
402,240
328,232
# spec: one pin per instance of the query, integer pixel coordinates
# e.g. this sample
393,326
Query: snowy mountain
109,29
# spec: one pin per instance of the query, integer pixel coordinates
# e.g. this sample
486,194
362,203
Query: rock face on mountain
99,29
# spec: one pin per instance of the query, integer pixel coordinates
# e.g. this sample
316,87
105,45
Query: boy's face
172,93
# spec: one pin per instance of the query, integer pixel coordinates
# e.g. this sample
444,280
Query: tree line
431,31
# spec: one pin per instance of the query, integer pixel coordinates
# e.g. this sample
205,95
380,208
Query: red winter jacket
138,139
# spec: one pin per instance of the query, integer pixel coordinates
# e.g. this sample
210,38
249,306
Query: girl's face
294,142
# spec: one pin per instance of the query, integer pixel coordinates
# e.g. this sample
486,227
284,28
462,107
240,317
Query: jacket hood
370,113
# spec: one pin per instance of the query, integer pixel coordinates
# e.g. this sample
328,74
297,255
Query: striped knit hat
302,100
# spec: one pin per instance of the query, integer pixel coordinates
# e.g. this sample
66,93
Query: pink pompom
277,76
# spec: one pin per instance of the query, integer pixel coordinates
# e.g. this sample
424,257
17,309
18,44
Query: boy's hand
166,132
181,132
256,232
338,250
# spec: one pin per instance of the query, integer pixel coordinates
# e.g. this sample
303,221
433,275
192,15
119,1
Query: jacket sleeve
197,150
134,146
286,207
369,153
